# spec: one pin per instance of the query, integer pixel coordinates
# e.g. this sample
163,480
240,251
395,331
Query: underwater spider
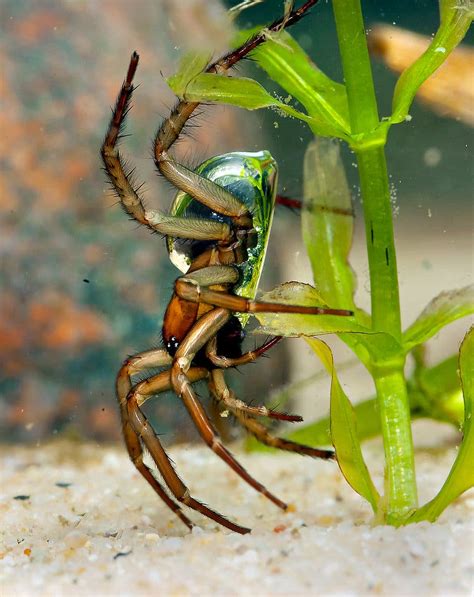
217,233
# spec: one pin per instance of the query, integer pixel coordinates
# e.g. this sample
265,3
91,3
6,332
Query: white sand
69,540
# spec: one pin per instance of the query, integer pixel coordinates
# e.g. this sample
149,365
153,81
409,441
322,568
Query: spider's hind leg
204,329
133,365
141,426
219,389
225,362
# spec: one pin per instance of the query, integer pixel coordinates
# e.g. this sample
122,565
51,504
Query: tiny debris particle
121,554
86,281
22,498
75,540
279,528
152,536
27,551
63,485
63,520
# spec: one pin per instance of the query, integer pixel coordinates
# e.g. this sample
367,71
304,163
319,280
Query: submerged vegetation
349,112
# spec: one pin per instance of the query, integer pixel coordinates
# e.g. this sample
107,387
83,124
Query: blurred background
82,287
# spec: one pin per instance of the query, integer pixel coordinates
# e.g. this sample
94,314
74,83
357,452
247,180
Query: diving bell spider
223,210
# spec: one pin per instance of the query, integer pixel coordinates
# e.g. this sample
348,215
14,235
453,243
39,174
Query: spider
216,233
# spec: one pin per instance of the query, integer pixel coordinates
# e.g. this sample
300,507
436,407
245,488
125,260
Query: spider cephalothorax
217,233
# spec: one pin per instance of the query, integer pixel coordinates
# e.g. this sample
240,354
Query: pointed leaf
369,346
191,65
456,18
328,222
247,93
344,431
285,61
461,476
444,309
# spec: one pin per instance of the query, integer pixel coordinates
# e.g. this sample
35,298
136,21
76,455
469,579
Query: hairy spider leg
142,429
249,357
240,410
193,287
121,177
152,386
115,167
133,365
203,190
203,330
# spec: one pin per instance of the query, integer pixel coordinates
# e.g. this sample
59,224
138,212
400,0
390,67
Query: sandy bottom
78,520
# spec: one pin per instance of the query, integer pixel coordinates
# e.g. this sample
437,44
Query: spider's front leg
206,191
114,164
194,288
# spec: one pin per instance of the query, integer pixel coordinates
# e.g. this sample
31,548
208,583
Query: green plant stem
369,147
398,445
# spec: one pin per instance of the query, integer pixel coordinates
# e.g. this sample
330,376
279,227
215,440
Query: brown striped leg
219,388
228,398
199,335
298,204
202,189
139,427
115,166
133,365
248,357
188,289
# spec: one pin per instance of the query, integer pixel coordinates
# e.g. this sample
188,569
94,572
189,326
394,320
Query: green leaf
435,392
456,17
344,431
444,309
191,65
461,476
328,222
370,346
247,93
283,59
319,434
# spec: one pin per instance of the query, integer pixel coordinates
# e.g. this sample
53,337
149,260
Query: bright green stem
369,147
398,445
379,238
372,167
